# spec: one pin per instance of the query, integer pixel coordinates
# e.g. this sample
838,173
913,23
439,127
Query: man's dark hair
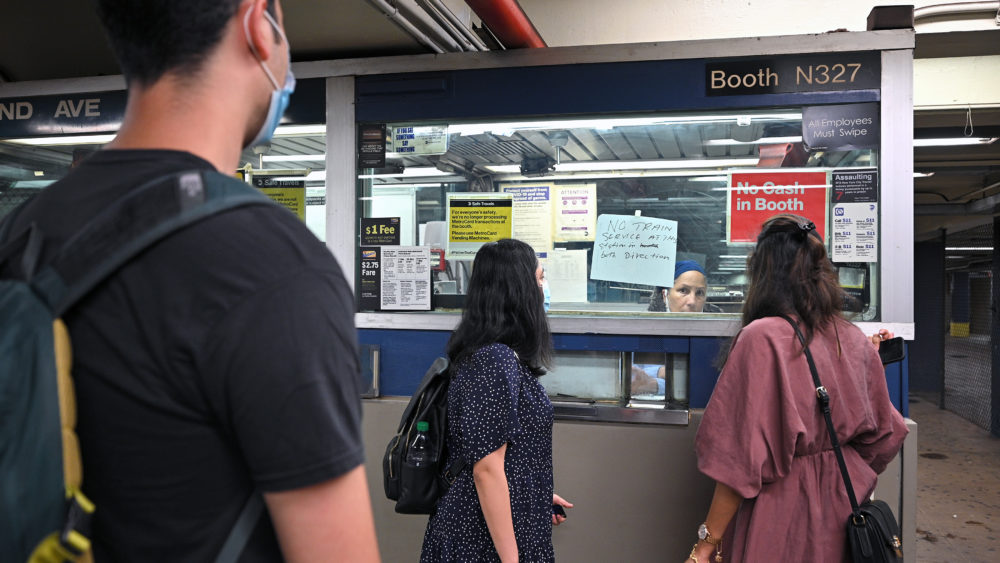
504,304
789,274
153,37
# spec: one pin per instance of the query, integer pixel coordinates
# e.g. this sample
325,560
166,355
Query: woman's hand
878,337
556,518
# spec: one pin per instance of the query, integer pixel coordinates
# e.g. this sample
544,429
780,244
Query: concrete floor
958,487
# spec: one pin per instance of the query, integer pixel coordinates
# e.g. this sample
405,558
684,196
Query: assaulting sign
754,197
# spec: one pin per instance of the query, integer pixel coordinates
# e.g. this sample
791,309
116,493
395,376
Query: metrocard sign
754,197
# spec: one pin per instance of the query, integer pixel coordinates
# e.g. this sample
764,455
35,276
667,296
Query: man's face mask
280,94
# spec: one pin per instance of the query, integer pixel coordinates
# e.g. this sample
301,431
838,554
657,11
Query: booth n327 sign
754,197
798,73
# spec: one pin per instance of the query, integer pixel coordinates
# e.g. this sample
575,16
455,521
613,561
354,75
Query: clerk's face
688,293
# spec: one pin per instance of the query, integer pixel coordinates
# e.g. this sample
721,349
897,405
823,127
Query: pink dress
763,435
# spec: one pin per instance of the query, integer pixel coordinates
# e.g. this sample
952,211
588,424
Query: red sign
755,197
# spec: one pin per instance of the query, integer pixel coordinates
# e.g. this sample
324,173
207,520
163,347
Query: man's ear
257,28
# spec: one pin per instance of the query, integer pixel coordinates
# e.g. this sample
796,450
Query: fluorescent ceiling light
607,165
293,157
954,141
67,140
922,174
432,185
288,130
508,128
314,176
761,141
970,248
282,131
417,172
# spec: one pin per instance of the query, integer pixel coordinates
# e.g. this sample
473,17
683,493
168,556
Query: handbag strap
824,403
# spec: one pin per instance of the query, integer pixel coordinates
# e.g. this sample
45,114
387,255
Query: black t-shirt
220,360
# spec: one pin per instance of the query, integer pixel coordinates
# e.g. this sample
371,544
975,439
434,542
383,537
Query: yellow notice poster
475,219
289,192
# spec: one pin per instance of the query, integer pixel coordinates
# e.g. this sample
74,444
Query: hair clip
808,226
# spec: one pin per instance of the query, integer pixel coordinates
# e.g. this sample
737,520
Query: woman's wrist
704,550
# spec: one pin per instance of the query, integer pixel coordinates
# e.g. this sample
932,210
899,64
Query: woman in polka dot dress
500,419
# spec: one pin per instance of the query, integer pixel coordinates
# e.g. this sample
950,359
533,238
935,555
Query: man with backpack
221,361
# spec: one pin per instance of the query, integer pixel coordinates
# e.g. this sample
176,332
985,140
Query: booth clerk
688,293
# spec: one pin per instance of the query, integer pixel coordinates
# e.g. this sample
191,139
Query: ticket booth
616,164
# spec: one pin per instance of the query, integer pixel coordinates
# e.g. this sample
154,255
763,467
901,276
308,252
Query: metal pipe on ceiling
956,9
402,18
508,22
445,24
423,21
437,9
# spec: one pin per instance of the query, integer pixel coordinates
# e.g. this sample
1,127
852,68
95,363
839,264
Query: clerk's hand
642,382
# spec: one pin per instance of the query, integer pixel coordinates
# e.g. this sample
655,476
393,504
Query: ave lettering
89,107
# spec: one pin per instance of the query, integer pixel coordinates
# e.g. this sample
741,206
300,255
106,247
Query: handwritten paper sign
634,249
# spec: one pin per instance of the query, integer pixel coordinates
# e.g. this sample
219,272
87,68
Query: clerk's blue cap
687,266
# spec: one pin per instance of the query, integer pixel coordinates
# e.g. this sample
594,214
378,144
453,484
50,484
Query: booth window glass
613,204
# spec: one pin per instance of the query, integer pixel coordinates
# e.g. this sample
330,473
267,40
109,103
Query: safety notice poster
575,214
406,278
855,215
532,215
475,219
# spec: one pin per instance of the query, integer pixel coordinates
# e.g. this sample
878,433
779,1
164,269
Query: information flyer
370,279
635,249
475,219
575,213
432,139
380,231
855,215
406,278
566,271
532,214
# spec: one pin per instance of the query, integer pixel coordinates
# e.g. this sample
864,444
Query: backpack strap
440,365
241,530
145,216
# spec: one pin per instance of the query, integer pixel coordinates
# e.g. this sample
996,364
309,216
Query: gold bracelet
694,556
718,552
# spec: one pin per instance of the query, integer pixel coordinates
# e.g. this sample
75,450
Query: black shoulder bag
872,532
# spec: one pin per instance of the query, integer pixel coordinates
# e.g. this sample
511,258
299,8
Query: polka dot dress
495,400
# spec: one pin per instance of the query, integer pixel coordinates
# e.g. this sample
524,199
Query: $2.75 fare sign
754,197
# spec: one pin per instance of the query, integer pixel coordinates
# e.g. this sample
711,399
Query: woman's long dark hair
789,274
504,304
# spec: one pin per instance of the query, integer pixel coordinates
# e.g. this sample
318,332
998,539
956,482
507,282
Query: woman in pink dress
779,495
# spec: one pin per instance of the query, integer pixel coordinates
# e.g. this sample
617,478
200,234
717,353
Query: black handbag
872,532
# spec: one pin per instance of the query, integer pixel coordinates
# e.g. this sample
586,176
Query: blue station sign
102,112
